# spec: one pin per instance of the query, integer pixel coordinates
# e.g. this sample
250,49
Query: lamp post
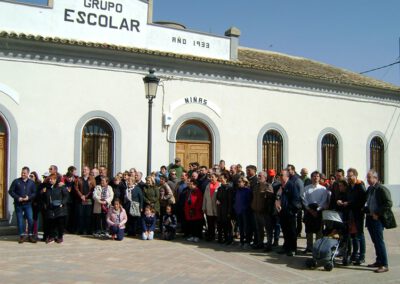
150,86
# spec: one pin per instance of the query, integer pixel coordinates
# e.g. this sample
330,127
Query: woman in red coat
193,211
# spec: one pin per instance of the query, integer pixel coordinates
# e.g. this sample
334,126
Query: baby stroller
332,244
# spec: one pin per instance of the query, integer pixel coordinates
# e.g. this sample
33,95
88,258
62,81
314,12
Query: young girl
116,219
243,211
169,224
148,223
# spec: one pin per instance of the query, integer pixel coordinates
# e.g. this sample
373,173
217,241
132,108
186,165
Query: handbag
388,220
104,208
134,209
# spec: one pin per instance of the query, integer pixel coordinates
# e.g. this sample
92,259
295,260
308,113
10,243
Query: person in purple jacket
148,223
243,211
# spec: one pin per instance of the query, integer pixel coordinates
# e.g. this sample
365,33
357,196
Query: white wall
53,98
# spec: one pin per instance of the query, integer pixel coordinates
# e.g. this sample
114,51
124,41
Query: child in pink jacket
116,219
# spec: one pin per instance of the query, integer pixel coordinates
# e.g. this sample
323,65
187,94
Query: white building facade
71,93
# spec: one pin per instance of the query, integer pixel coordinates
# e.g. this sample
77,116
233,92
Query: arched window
377,157
272,150
193,131
97,144
330,154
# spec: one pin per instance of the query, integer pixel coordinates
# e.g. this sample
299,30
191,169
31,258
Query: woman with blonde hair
151,194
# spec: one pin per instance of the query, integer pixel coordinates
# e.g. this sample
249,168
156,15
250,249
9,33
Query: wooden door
3,171
190,152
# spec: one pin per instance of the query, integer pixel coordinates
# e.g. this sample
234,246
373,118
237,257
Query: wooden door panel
2,175
193,152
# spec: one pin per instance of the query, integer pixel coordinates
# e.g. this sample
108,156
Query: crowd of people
214,204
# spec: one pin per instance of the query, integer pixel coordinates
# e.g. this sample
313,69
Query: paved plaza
86,260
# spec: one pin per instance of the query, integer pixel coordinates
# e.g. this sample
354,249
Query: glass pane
3,129
272,151
377,154
97,144
193,132
330,154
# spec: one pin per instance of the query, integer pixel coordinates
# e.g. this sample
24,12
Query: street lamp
150,86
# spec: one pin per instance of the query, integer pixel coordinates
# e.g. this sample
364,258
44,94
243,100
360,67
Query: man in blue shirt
23,190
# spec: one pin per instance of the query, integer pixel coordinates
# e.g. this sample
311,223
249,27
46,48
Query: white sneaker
196,239
191,239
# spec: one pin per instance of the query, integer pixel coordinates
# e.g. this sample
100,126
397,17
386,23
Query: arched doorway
98,145
194,144
3,168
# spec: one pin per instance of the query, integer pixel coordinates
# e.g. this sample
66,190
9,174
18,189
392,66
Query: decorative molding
12,158
196,100
8,91
119,61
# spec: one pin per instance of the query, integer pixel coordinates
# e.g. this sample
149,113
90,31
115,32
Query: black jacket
384,203
55,201
225,208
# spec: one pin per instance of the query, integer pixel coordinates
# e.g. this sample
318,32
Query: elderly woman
56,198
102,196
134,205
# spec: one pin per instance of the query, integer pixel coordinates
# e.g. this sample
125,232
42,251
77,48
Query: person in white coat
102,196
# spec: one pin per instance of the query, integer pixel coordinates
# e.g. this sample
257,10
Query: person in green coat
151,194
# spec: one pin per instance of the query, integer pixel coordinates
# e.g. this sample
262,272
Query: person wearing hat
177,166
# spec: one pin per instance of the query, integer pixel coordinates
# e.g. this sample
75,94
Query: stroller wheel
328,266
311,263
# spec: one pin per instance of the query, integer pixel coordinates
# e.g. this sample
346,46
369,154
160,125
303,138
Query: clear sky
357,35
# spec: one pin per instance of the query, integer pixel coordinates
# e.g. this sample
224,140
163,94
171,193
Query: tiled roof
247,58
282,63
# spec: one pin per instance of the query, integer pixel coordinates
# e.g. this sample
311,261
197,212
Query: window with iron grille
272,151
330,154
377,157
97,144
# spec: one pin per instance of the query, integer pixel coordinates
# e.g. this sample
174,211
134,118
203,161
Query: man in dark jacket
295,179
262,205
379,216
356,203
23,190
287,204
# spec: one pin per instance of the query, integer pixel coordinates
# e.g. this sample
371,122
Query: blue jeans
115,230
24,211
375,229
